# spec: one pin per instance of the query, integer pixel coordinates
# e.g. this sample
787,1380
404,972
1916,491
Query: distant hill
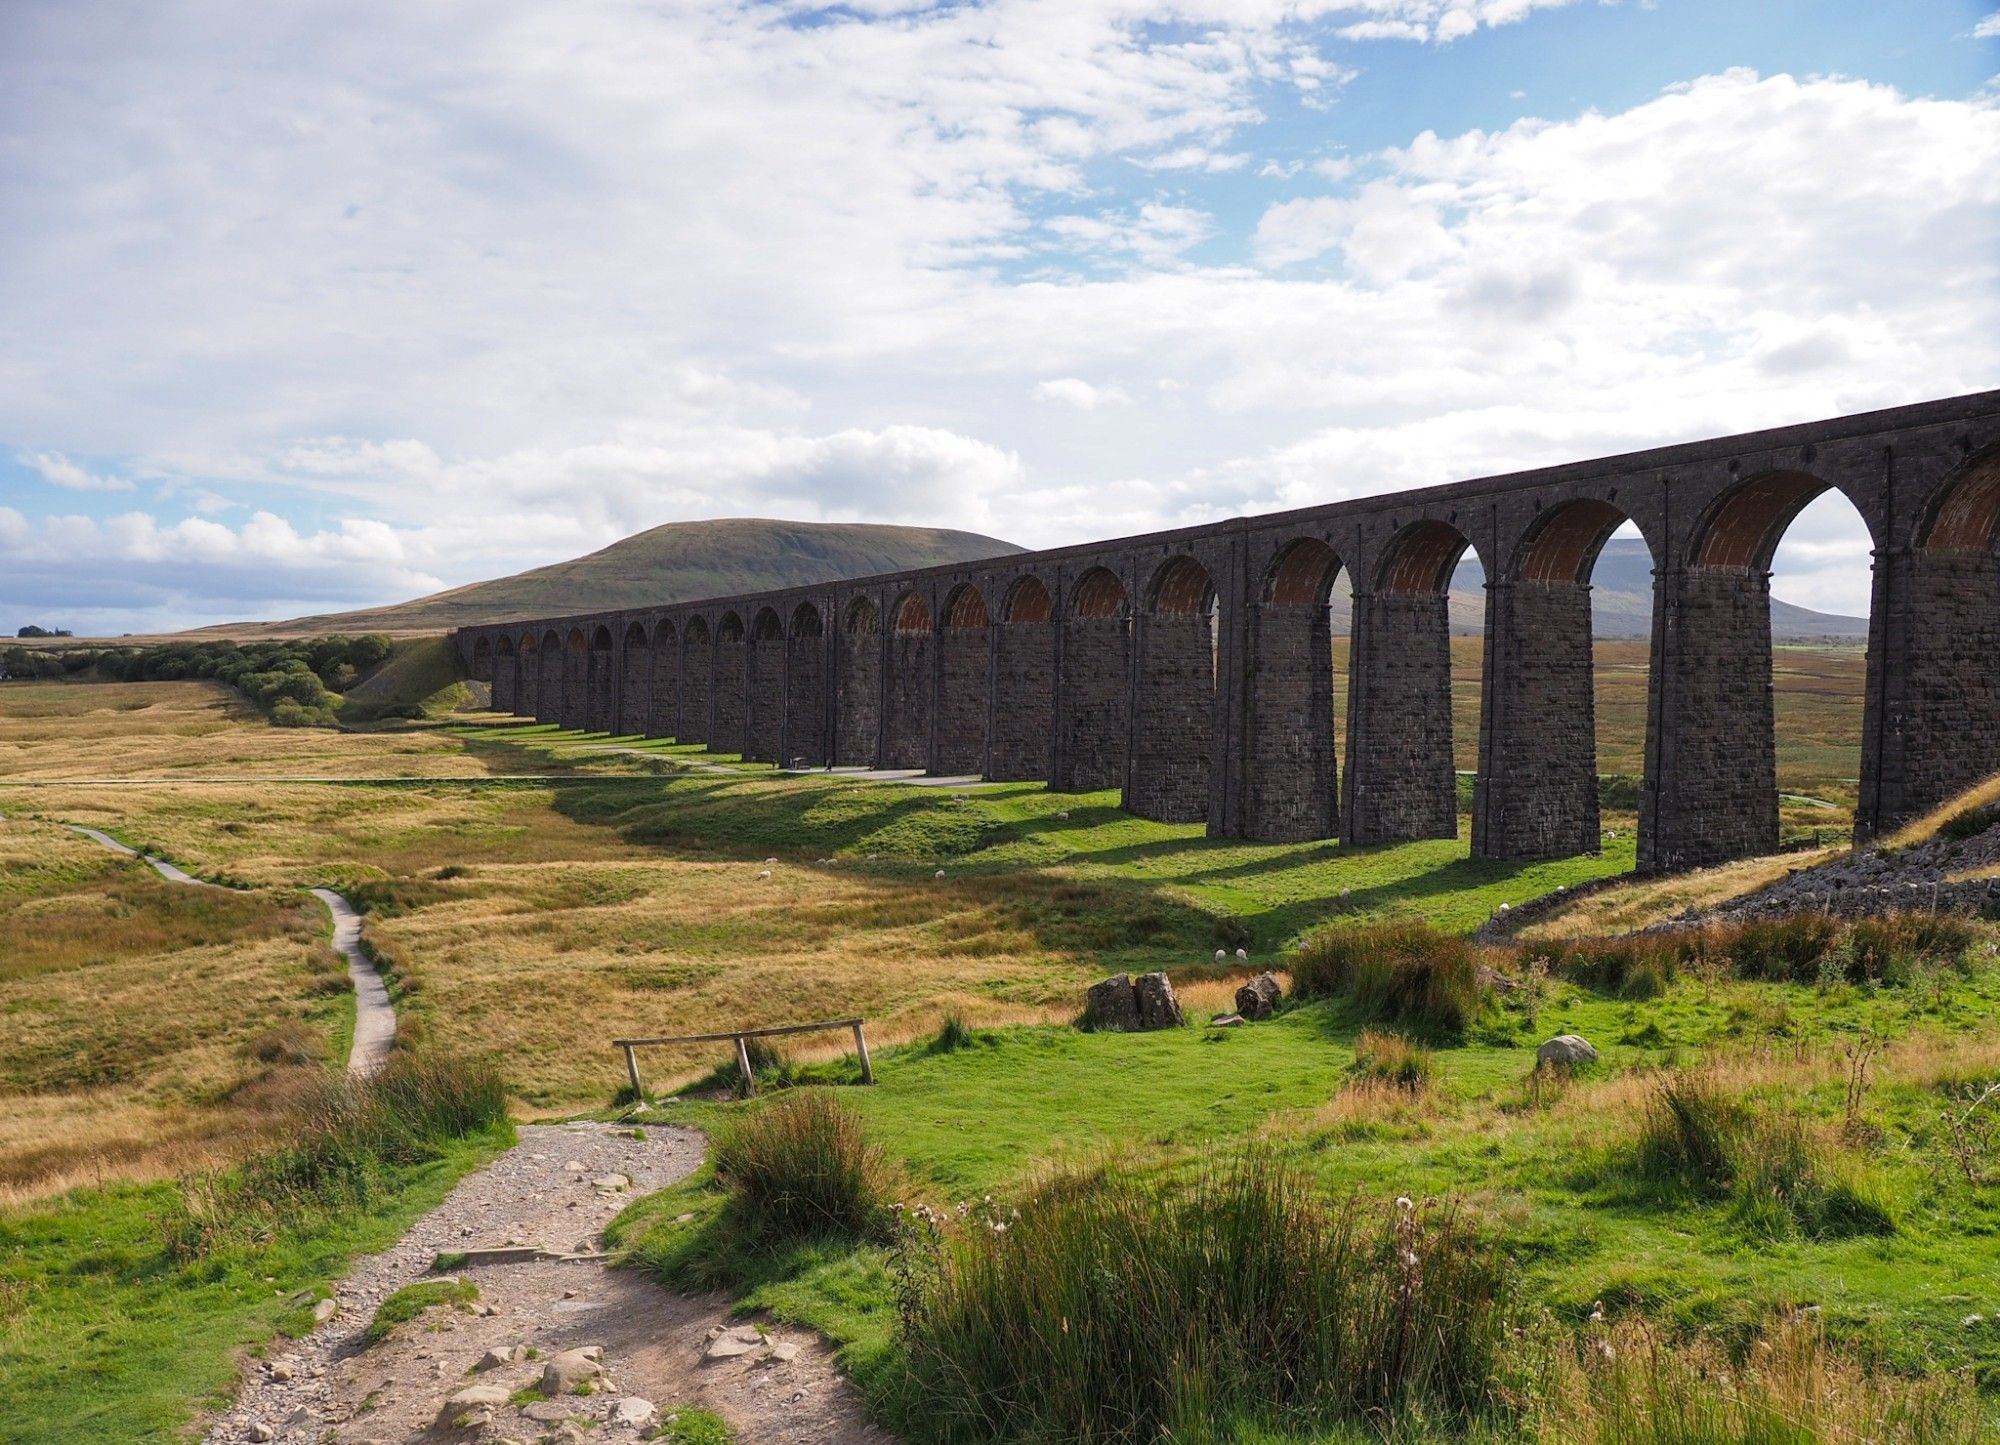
678,562
1621,601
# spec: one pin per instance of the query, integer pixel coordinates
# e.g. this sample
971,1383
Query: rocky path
374,1014
550,1316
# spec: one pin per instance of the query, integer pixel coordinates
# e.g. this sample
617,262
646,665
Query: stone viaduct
1193,669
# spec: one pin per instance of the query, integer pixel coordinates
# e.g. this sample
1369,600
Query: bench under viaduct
1194,669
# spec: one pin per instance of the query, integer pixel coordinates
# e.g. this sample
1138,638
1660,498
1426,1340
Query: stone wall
858,717
1537,789
663,711
1400,780
697,689
1292,782
1096,687
635,687
965,699
1024,673
764,733
1940,729
1173,727
908,741
805,734
727,713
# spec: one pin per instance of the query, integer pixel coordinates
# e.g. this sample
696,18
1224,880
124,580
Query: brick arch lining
1967,515
1422,558
1566,540
1744,526
1181,588
1302,574
1099,595
1028,601
967,608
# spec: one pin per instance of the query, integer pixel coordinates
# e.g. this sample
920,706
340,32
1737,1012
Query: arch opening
1028,602
806,621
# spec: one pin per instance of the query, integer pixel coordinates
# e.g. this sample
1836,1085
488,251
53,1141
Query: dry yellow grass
1923,829
1643,902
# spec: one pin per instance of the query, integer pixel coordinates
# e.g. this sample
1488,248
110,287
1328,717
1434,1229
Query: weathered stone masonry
1192,669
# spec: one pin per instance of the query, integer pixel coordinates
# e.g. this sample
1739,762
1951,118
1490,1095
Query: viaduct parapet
1194,669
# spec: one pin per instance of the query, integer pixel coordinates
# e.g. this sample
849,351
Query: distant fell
677,562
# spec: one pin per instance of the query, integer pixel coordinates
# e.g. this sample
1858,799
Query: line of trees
293,682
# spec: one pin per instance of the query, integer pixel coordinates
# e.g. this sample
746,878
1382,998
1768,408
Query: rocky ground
1872,881
551,1349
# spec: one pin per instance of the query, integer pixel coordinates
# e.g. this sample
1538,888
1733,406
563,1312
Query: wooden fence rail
741,1037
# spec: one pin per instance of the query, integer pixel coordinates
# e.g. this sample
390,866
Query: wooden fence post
861,1048
743,1066
632,1071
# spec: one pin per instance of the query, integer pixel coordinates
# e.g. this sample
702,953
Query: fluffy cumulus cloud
339,303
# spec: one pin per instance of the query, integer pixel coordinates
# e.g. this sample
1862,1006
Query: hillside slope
681,561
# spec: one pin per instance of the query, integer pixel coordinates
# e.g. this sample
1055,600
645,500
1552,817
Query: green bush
799,1169
1406,974
1121,1306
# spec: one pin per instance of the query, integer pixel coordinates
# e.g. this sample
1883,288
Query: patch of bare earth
646,1351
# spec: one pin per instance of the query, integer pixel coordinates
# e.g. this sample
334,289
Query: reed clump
1405,974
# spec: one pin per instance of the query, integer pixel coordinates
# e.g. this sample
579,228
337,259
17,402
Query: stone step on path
374,1013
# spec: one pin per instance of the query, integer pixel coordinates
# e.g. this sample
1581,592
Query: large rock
1256,999
1113,1005
473,1407
564,1372
1158,1008
1565,1051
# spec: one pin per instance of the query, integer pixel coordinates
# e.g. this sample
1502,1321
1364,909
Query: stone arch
1402,781
549,693
1536,794
1964,514
858,698
1717,796
1173,724
965,683
764,727
805,688
664,697
482,660
528,665
506,676
635,680
906,719
1095,684
729,711
697,681
1292,790
1024,675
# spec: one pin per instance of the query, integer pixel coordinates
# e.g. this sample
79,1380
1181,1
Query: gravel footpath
649,1350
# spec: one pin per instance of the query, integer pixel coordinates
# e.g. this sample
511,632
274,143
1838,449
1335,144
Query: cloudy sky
316,304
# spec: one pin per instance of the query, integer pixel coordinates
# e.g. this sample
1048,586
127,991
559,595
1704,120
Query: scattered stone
1226,1021
280,1370
471,1408
784,1351
731,1344
632,1413
1158,1008
575,1166
325,1310
1257,998
497,1357
610,1183
1565,1051
564,1372
549,1412
257,1430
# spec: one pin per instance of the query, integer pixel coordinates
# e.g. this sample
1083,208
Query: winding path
374,1014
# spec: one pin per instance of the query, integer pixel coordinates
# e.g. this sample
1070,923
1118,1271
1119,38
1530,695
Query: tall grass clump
1630,1384
800,1169
1393,1059
344,1137
1781,1176
1117,1306
1406,974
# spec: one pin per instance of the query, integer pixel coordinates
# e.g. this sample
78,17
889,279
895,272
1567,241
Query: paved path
374,1014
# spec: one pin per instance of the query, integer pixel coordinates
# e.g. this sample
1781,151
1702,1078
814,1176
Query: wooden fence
741,1038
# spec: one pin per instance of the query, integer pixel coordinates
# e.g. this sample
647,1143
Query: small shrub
1394,1060
1123,1307
799,1169
953,1034
412,1300
1398,973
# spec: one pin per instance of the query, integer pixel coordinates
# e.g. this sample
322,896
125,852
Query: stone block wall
1537,790
1096,704
697,691
965,699
805,731
1400,780
1940,728
1173,726
1292,780
506,683
1024,673
635,687
574,709
858,707
664,705
601,715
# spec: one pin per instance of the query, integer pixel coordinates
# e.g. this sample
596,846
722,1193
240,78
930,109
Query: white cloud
1076,392
1988,28
58,470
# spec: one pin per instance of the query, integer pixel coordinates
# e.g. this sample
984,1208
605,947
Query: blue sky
326,305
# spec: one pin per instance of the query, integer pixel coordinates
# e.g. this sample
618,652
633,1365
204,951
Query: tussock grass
799,1169
1127,1306
1398,973
412,1300
1631,1383
1394,1059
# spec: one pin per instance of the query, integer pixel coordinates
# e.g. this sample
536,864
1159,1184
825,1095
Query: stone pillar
664,699
1096,691
1024,674
602,714
858,719
727,711
697,690
1711,791
909,701
1933,722
574,709
805,700
635,687
1400,781
965,686
1291,791
506,679
1173,726
764,731
1536,795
